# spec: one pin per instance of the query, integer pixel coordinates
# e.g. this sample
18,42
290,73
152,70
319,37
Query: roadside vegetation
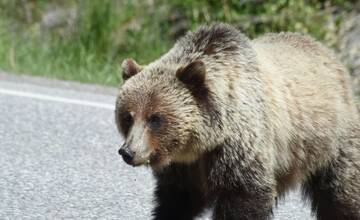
86,40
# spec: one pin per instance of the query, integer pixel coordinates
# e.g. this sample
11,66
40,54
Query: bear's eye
126,122
155,121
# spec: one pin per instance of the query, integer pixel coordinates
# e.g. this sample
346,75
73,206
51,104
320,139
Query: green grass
63,62
93,52
108,31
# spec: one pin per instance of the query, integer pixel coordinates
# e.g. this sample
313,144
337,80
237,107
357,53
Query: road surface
58,156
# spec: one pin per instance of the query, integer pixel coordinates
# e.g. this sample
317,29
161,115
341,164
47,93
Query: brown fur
265,116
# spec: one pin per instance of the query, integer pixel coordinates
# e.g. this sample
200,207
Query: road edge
56,83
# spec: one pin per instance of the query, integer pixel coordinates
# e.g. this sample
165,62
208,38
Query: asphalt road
58,156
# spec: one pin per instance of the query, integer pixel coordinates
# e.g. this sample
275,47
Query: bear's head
162,112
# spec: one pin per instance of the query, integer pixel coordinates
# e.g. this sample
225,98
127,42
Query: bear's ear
130,68
193,75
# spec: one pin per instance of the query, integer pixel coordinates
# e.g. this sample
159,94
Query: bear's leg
244,206
177,203
335,190
179,193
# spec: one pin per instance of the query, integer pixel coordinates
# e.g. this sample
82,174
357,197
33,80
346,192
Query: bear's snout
127,155
135,156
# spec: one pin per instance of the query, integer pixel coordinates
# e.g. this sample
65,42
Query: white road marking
56,99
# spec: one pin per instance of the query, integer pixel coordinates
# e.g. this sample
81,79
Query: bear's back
309,94
295,40
310,73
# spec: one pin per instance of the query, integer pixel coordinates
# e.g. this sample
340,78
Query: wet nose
127,155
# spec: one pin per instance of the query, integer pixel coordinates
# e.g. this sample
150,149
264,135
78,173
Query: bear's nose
127,155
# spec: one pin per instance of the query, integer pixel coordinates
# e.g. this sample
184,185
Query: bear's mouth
155,159
139,161
146,163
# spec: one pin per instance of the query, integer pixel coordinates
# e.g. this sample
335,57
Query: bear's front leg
178,194
177,204
243,206
242,182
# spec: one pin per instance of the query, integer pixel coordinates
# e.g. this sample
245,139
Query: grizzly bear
233,124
